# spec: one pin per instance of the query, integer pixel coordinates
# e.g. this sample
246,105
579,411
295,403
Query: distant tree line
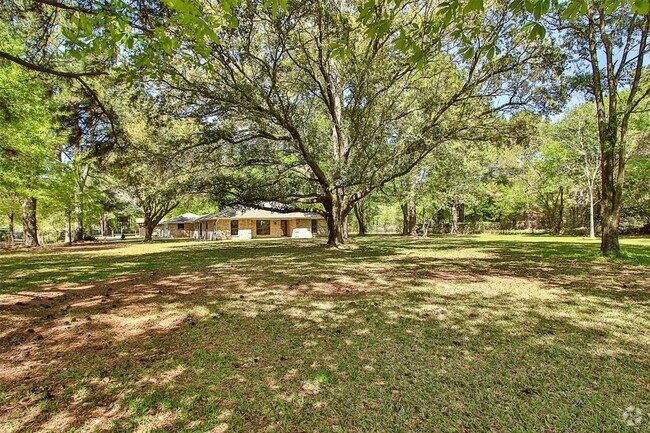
542,179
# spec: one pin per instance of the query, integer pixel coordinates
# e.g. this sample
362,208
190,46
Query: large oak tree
339,110
610,45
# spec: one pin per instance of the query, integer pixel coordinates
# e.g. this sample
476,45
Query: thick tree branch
47,70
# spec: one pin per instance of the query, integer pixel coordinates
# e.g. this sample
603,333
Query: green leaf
340,49
84,24
535,30
572,10
402,42
530,5
474,5
468,52
641,6
128,41
609,6
365,11
516,5
490,52
418,58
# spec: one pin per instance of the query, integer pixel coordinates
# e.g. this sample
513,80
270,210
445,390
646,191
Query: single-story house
181,226
248,223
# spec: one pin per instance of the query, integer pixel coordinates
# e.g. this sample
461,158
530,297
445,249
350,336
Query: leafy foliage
28,135
154,168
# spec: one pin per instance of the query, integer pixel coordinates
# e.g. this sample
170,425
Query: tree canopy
320,105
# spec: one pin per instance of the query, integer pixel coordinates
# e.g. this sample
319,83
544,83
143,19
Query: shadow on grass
462,333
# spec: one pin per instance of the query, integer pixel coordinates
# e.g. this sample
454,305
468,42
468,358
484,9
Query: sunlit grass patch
451,253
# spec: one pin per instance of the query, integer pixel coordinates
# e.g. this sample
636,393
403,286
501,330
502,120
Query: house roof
183,218
252,213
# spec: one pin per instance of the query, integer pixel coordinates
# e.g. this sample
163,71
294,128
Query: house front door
283,225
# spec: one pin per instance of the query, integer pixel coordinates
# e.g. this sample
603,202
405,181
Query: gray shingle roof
252,213
184,218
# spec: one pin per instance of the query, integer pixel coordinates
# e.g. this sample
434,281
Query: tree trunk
360,213
609,244
413,219
149,227
335,228
529,214
69,232
337,214
102,225
405,218
454,219
10,237
30,230
425,228
150,223
609,241
560,217
592,227
611,200
78,223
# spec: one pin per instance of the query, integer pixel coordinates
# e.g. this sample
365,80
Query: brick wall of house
221,228
185,232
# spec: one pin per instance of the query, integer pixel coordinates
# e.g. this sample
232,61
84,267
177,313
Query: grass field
489,333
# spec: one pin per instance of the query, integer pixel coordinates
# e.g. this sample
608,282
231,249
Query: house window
234,228
181,227
314,227
263,227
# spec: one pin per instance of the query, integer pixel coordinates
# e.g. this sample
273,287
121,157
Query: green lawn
489,333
